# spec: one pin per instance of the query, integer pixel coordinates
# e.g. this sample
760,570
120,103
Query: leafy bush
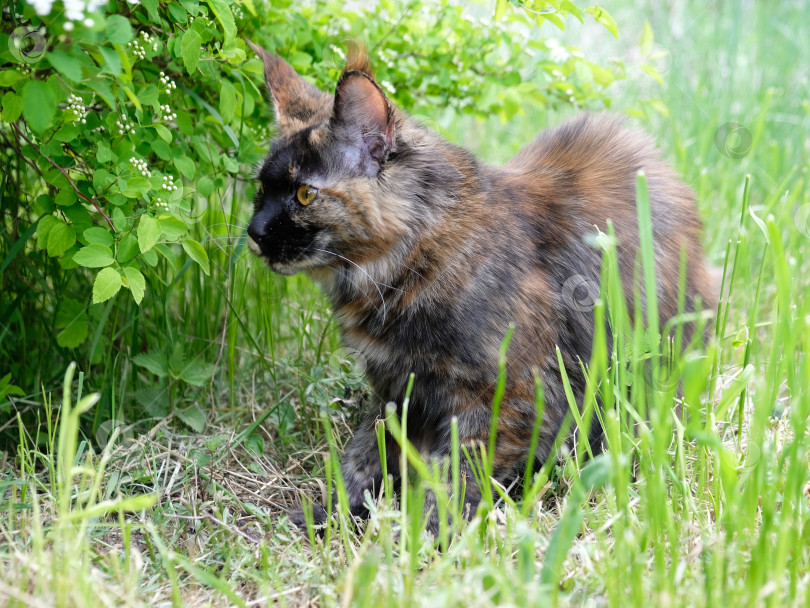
129,130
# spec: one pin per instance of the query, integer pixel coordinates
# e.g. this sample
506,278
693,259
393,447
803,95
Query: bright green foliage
224,398
129,142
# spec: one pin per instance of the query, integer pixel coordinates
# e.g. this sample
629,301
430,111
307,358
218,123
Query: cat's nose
260,226
257,229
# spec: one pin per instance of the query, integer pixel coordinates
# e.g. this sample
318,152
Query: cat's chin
289,268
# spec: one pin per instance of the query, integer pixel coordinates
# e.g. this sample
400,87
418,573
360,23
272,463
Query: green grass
705,505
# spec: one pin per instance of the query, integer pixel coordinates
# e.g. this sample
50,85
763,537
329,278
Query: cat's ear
362,119
297,103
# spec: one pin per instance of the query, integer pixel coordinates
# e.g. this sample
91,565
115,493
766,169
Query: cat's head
328,188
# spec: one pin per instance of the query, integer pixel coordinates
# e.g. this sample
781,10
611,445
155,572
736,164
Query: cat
427,256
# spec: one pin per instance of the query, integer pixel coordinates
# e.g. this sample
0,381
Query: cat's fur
427,255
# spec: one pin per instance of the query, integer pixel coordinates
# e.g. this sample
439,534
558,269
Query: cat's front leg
361,466
361,470
470,497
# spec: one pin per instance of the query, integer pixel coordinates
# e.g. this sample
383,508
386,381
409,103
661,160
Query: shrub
128,132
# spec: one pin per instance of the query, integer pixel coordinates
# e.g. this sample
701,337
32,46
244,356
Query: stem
63,171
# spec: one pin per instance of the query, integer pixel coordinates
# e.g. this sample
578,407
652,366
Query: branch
63,171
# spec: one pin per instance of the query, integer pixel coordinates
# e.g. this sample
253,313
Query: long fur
427,255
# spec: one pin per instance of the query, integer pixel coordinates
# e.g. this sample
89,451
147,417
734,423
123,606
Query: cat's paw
319,517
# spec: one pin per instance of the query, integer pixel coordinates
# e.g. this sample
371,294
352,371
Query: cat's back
576,178
590,164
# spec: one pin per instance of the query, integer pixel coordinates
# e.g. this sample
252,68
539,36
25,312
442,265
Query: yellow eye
306,194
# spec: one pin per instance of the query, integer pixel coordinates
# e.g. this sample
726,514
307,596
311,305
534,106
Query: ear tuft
357,58
298,103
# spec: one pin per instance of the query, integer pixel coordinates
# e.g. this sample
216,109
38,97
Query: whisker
376,286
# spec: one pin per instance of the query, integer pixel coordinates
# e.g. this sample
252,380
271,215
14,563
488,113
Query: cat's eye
306,194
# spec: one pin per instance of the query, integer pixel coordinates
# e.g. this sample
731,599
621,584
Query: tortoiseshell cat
427,255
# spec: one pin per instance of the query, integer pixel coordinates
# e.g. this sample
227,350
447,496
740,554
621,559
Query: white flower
74,9
556,52
42,7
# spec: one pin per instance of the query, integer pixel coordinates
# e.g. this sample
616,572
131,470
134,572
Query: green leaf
193,417
601,76
136,283
172,227
162,149
121,222
205,186
132,97
196,373
603,17
190,49
197,253
39,105
9,76
136,187
105,92
68,311
154,362
163,132
60,238
227,101
572,8
73,335
102,179
68,132
98,235
148,232
167,252
94,256
647,38
7,388
112,60
103,152
127,249
106,285
151,7
65,197
118,29
79,217
150,257
68,65
12,107
148,95
230,164
178,13
44,228
500,9
44,204
186,166
225,17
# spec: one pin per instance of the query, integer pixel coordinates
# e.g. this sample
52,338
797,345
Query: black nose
261,224
256,230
